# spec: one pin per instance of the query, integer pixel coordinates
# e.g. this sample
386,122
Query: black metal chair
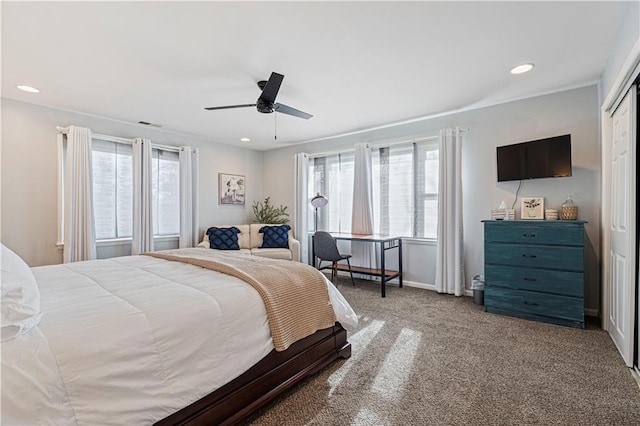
326,249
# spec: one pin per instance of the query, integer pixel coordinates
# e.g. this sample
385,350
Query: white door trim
622,255
628,73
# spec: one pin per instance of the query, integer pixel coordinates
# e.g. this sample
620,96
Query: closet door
622,256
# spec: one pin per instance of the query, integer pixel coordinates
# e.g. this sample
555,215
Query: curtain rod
406,141
65,130
382,145
426,138
165,147
327,153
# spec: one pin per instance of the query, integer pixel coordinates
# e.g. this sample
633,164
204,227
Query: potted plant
264,212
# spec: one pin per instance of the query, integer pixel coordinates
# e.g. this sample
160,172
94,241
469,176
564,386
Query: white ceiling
352,65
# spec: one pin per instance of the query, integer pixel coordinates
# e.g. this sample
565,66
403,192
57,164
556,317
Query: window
404,183
112,164
332,176
393,190
427,170
166,192
112,172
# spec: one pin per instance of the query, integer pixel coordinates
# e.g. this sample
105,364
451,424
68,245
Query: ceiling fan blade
272,87
284,109
230,107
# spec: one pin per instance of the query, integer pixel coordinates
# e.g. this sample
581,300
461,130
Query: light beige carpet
420,358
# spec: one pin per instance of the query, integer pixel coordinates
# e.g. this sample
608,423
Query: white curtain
362,212
188,197
142,197
449,260
301,203
79,228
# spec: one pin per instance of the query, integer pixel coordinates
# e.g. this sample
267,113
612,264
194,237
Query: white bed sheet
131,340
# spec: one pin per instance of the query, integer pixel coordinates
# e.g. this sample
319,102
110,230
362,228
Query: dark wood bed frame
269,378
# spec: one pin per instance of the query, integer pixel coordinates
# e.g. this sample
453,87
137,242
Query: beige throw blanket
295,294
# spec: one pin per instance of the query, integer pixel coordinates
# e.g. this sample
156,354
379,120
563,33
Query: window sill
123,241
413,241
113,242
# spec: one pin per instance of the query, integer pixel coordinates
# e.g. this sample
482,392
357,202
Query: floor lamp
318,201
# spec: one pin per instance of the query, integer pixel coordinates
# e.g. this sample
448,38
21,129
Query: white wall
574,112
29,173
627,38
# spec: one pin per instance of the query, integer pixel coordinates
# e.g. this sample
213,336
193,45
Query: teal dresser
535,270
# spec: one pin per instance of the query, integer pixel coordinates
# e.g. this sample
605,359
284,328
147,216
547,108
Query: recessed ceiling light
521,68
28,88
245,140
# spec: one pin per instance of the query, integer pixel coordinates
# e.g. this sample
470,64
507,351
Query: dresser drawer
567,308
541,280
499,233
554,257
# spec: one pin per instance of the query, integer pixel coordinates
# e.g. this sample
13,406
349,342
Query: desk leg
400,260
383,278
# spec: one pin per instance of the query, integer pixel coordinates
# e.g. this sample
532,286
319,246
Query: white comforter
131,340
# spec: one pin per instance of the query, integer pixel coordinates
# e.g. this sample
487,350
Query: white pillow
20,303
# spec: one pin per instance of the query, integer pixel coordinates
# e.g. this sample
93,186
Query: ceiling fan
266,103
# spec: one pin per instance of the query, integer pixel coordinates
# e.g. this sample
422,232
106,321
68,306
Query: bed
147,340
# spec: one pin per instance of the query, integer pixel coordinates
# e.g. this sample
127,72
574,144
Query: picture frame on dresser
532,208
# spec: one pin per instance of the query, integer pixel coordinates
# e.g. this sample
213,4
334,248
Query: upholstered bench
266,240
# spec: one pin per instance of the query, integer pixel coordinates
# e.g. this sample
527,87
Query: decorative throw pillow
223,238
275,236
20,303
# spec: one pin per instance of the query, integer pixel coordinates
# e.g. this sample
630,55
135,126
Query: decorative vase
569,210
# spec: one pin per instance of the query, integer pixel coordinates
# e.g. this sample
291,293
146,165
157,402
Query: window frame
420,151
160,148
116,238
61,151
420,147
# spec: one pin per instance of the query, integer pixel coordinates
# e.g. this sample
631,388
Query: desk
384,242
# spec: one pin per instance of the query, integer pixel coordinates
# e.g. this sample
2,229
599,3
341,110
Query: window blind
332,176
112,189
426,195
165,192
405,190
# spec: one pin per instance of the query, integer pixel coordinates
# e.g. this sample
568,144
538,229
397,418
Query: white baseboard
431,287
467,292
415,284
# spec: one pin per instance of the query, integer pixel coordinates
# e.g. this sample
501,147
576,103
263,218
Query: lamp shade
319,201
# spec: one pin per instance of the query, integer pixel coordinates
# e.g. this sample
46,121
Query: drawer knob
530,303
530,279
532,256
529,235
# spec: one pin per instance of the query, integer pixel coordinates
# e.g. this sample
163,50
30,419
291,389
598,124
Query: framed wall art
231,189
532,208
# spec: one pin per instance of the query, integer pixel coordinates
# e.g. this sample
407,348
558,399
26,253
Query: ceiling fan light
245,140
521,69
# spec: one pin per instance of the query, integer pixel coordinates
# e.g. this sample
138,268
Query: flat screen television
543,158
